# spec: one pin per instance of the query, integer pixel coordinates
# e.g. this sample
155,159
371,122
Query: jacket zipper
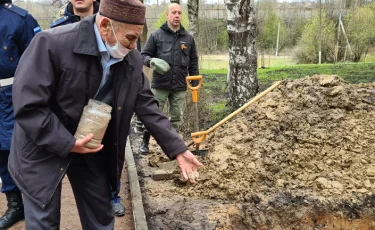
173,57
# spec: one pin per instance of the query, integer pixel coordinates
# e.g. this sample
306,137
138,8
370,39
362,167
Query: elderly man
75,11
60,71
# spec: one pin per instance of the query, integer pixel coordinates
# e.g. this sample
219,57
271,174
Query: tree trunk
193,10
175,1
242,73
143,37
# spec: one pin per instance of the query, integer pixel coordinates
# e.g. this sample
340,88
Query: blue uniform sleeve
30,28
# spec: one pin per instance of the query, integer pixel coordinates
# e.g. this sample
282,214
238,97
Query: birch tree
143,37
242,74
193,10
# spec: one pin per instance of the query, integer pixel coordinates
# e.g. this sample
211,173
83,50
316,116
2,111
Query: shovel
199,137
194,96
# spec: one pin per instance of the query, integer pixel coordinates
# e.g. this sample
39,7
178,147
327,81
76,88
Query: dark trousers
116,199
8,184
92,195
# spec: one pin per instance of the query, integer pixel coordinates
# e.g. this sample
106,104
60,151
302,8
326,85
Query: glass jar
95,118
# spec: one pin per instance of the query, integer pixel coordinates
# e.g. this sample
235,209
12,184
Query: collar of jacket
165,27
86,42
70,12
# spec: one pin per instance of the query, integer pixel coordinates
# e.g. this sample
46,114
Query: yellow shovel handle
194,78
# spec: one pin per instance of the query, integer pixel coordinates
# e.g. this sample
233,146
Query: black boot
138,127
146,140
14,213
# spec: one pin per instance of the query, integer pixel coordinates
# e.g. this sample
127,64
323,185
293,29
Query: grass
217,110
353,72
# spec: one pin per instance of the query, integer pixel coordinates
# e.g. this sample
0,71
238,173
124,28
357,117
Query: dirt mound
310,137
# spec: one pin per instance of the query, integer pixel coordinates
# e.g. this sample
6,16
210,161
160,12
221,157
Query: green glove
159,65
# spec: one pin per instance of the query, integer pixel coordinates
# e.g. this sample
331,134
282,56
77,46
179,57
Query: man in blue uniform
17,28
76,10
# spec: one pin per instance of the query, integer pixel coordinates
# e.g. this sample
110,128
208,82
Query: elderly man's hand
80,147
188,164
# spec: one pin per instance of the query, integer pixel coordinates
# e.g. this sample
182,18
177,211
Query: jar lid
101,106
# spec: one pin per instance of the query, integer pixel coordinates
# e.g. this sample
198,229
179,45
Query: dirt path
69,214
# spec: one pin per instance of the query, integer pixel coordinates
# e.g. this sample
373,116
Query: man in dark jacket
76,10
60,71
175,46
17,28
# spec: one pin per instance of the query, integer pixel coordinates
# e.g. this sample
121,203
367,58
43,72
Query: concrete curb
139,216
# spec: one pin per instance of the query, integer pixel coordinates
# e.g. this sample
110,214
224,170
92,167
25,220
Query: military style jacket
17,28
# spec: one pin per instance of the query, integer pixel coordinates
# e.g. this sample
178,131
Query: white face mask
116,51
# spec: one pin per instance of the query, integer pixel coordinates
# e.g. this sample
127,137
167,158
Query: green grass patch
351,72
217,111
213,71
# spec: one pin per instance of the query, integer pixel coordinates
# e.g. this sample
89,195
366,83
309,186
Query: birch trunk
193,10
143,37
242,73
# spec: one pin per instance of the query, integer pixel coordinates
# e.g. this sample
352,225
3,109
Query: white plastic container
95,118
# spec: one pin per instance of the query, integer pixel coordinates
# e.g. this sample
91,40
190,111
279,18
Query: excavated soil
314,136
300,158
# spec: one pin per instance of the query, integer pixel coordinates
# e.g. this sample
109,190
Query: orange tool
194,96
199,137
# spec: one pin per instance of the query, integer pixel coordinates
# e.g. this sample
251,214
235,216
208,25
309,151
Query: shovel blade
202,152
